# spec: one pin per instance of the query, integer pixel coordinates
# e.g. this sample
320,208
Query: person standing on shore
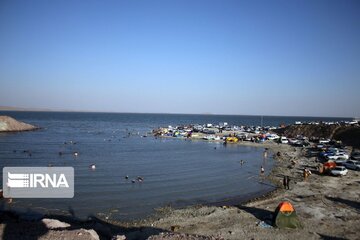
285,182
288,182
262,170
305,174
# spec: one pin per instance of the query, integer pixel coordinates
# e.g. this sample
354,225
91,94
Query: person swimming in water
265,154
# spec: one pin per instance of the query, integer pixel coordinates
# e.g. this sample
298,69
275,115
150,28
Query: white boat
209,137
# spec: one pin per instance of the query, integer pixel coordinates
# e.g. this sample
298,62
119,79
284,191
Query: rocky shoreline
9,124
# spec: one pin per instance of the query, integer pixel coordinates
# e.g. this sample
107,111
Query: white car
338,156
355,165
339,171
343,155
320,146
293,140
284,140
272,137
322,141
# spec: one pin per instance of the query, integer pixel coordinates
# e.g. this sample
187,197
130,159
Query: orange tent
285,207
285,216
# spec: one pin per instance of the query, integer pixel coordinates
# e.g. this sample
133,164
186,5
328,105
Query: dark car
301,144
355,165
355,156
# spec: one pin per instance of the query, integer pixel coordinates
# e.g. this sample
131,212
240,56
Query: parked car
333,149
321,146
284,140
208,131
293,141
325,154
355,155
339,171
272,136
355,165
339,161
312,153
338,156
343,155
301,143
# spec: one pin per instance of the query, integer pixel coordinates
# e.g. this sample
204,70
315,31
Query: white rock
93,234
53,223
119,237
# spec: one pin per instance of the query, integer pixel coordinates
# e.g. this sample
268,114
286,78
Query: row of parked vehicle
343,169
342,160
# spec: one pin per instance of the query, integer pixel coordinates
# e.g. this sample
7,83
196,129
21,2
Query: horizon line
20,109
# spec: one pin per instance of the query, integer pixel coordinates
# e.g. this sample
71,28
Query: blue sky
220,57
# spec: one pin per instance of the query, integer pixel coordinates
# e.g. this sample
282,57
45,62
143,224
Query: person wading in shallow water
265,154
262,173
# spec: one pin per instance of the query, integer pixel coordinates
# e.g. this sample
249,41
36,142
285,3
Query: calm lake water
176,172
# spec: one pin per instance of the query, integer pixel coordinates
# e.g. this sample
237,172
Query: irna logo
38,182
18,180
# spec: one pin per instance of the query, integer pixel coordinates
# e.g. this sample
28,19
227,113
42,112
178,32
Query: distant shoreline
15,109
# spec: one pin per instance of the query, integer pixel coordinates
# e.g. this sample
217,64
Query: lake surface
176,172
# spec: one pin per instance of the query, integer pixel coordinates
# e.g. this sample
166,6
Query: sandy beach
327,206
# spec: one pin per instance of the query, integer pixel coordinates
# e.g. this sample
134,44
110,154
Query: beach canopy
285,216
